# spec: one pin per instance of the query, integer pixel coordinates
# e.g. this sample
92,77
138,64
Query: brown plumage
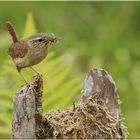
29,51
18,49
12,31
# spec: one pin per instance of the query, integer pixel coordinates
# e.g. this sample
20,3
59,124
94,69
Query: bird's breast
36,55
21,62
33,57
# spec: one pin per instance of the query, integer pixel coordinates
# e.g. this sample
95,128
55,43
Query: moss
86,120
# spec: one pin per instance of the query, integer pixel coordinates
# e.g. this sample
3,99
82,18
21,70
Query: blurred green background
93,34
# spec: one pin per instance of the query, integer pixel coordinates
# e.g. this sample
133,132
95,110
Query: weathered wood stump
27,115
96,116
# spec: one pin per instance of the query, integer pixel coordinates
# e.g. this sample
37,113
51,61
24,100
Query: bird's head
42,40
38,40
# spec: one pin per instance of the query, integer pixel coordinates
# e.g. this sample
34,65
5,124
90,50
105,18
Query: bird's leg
34,70
19,70
38,74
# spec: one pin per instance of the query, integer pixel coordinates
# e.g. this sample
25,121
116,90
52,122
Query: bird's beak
53,39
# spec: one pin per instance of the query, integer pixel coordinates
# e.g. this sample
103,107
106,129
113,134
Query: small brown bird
30,51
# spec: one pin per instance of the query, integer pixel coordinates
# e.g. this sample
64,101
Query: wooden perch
27,114
97,115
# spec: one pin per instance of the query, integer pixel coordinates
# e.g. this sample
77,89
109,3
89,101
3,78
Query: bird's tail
11,31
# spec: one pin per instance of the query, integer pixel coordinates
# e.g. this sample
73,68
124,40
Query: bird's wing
18,50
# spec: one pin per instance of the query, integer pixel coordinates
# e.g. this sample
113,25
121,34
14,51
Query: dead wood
96,116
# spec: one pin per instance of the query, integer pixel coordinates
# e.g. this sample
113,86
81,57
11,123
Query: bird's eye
40,40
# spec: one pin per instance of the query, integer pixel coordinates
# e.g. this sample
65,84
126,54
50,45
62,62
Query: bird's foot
37,75
26,84
37,81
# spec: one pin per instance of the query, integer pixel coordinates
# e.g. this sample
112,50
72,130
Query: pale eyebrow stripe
37,38
33,42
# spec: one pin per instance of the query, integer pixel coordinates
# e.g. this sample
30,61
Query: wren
29,51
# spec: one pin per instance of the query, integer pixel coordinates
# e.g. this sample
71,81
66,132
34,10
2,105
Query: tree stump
27,114
96,116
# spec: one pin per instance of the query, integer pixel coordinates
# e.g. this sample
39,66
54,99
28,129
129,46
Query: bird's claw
38,74
26,84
